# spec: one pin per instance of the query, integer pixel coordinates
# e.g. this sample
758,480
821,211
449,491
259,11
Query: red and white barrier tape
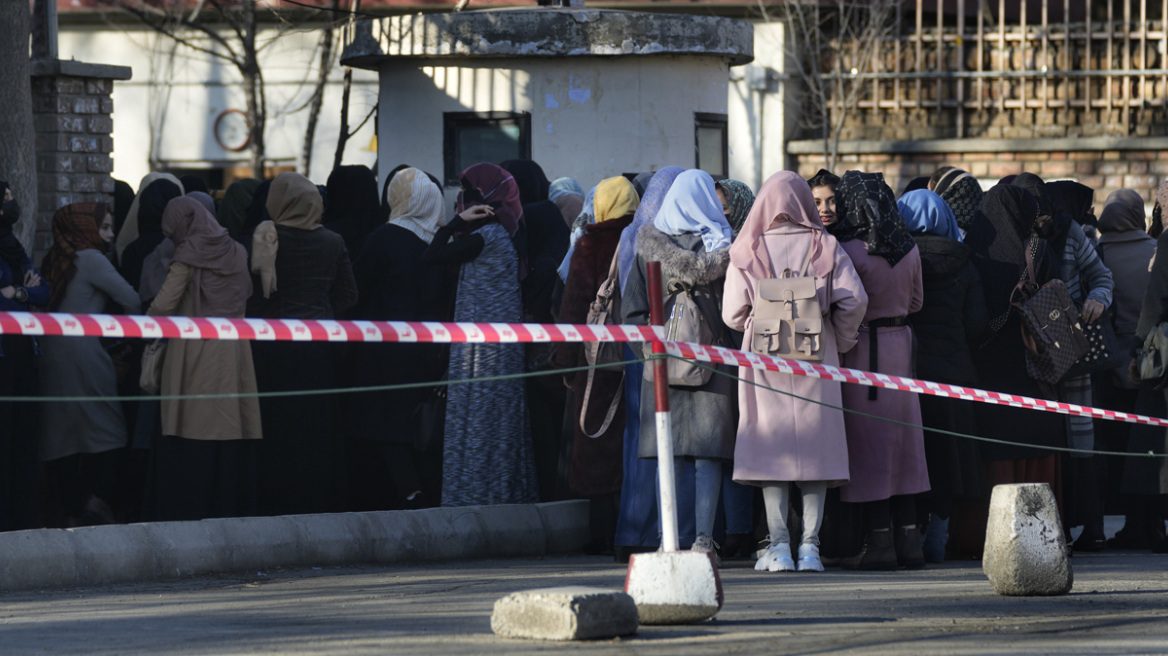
107,325
307,330
720,355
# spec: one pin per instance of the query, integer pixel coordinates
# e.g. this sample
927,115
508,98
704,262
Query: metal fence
977,67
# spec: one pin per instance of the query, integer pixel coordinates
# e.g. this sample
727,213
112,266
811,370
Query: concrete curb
97,555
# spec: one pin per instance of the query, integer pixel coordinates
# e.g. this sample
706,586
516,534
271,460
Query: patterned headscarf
489,184
924,212
963,194
646,212
867,211
740,199
415,203
75,229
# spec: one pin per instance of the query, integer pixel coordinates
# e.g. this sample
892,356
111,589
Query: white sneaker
809,558
706,544
776,558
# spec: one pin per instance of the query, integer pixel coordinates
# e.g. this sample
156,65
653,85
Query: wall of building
164,116
592,118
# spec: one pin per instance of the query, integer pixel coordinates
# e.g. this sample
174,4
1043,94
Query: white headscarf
691,206
416,203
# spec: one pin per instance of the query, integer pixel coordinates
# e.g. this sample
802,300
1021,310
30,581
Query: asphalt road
1119,605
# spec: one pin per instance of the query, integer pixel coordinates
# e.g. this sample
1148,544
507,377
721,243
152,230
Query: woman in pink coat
888,464
783,438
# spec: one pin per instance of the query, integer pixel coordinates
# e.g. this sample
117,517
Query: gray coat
704,419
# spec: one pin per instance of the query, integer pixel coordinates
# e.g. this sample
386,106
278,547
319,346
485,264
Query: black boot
876,554
908,547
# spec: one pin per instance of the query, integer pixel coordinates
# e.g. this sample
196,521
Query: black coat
953,319
951,322
394,285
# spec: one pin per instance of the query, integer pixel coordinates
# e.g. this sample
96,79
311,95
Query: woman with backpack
784,438
690,237
887,460
597,413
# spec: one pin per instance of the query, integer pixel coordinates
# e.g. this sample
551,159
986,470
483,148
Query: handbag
1105,352
605,310
1051,329
150,380
1153,358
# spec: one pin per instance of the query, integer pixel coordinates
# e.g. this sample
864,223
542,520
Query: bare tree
327,39
237,46
831,44
18,145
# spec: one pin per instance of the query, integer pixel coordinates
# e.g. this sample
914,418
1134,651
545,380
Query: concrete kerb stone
49,558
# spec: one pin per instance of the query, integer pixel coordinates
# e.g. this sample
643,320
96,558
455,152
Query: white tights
777,497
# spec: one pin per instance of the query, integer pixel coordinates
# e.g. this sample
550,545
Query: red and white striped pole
665,475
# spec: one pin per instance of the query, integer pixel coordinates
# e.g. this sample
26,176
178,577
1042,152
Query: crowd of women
921,285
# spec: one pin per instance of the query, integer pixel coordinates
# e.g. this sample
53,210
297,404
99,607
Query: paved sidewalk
1119,605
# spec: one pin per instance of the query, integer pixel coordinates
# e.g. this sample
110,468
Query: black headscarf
256,213
1002,238
151,204
917,183
123,198
11,250
533,183
353,210
867,211
1074,198
192,182
1055,230
641,181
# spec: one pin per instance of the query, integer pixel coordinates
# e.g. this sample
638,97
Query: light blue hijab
927,213
587,217
561,186
691,206
650,204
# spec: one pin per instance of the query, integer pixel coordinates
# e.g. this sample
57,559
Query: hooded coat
703,417
780,437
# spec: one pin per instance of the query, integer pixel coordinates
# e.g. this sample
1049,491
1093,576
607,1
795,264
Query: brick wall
1104,171
72,118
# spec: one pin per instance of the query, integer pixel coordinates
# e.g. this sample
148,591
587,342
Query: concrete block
568,613
247,543
1025,549
676,587
333,539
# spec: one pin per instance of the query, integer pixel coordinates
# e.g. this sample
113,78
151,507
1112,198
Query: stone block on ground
567,613
674,587
1025,548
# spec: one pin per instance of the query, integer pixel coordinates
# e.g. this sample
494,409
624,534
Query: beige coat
204,367
780,437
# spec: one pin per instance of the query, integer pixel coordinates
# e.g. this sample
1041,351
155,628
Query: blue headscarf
646,212
692,206
561,186
926,212
587,217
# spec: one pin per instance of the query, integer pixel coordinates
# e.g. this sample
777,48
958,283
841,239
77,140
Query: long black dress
388,458
301,468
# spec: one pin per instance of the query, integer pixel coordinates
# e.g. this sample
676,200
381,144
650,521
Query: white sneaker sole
808,565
